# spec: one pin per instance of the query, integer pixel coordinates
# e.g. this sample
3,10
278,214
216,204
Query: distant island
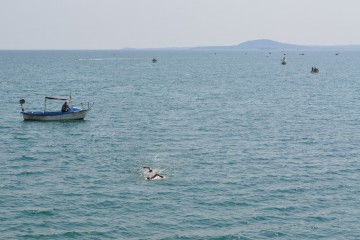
261,45
266,44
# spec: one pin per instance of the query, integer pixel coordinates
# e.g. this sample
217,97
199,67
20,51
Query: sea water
250,148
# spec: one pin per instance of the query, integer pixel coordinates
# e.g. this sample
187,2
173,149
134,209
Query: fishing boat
154,60
68,112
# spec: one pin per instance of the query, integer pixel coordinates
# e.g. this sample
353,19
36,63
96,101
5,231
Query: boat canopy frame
56,98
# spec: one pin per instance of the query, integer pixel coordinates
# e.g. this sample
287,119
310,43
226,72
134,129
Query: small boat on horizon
68,112
315,70
283,61
154,60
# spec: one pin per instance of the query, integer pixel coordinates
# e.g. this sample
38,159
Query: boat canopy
54,98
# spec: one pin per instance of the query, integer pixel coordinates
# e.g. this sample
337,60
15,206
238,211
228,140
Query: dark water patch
319,219
39,212
29,173
52,236
25,158
286,210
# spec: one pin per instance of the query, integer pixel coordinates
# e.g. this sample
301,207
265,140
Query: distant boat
154,60
314,70
71,113
337,54
283,61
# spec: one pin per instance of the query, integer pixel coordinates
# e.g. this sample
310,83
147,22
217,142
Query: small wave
25,173
38,212
318,219
273,234
282,209
69,235
105,59
50,236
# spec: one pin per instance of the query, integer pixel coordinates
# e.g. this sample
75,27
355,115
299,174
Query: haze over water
250,149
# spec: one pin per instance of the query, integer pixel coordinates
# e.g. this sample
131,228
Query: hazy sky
115,24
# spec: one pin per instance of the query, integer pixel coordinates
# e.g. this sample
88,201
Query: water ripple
250,149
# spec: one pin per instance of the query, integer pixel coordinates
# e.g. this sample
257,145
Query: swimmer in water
148,168
156,175
153,176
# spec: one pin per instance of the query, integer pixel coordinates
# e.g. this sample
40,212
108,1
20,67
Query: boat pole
22,101
45,105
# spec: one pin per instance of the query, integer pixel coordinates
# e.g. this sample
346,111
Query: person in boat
150,171
65,107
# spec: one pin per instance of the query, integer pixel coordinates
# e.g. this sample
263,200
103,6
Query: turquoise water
250,149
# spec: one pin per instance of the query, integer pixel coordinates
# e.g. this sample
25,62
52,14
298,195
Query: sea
248,148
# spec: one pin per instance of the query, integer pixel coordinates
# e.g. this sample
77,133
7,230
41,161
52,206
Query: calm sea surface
250,149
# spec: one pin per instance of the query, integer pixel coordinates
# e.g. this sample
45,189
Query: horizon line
191,48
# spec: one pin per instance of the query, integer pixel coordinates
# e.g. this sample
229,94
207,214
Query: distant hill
261,45
266,44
